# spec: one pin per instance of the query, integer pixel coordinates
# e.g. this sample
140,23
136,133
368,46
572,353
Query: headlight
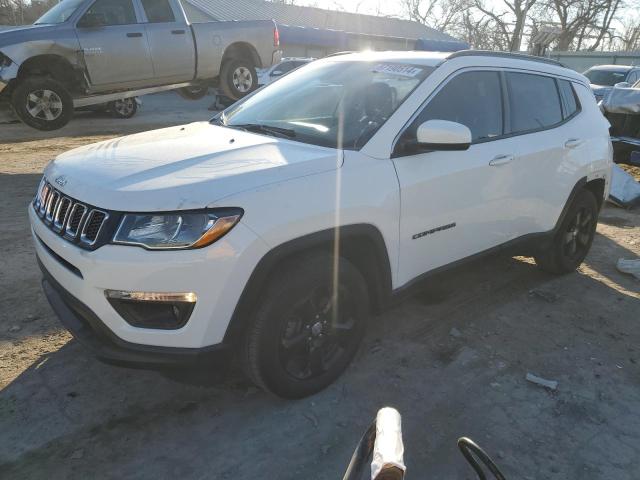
177,230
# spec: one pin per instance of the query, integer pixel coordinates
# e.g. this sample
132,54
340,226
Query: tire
292,347
42,103
124,108
194,92
574,237
238,78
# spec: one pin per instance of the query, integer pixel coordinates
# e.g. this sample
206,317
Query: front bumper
89,330
217,275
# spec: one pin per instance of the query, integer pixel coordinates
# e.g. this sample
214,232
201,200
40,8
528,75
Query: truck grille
77,222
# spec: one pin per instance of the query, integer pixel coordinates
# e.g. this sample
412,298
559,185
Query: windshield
338,104
60,13
605,77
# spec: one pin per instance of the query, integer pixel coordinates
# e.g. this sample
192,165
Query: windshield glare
60,13
605,77
338,104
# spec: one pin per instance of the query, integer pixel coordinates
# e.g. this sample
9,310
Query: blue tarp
440,45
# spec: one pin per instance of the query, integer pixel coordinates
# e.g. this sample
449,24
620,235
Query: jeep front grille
77,222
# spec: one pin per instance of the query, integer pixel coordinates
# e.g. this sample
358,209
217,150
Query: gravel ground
452,358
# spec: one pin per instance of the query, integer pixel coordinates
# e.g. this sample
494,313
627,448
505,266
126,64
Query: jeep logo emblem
61,180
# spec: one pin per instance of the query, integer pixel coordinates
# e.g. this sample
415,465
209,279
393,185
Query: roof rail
489,53
335,54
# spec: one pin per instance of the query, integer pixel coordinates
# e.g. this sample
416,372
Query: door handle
178,32
573,143
134,34
501,160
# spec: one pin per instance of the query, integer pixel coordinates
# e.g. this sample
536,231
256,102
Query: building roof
295,15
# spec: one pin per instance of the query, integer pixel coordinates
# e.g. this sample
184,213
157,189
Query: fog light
165,311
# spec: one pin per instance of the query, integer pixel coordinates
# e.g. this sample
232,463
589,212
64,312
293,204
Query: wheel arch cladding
361,244
597,187
239,50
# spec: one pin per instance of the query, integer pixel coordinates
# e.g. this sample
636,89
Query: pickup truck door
173,52
114,44
455,203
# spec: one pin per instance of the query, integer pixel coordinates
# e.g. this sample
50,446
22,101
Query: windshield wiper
266,129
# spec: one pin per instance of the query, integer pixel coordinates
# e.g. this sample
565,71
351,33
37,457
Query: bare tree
511,21
443,15
584,23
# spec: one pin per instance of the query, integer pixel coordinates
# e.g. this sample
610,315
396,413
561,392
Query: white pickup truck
277,227
85,52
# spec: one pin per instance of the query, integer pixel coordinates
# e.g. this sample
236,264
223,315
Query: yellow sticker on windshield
398,69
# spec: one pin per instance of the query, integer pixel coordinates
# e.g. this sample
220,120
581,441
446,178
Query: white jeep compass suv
278,227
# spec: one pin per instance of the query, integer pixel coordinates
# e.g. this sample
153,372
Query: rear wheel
306,332
238,78
574,237
42,103
123,108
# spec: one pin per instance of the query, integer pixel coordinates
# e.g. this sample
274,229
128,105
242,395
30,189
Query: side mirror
622,85
443,135
92,20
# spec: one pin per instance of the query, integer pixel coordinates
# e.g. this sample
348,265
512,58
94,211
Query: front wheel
42,103
574,237
124,108
238,78
193,92
306,330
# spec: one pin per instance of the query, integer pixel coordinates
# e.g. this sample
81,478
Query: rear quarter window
569,99
534,102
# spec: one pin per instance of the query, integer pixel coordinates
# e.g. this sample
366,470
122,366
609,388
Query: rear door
114,44
544,140
454,203
170,40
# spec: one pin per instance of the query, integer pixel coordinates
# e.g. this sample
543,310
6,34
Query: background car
268,75
603,77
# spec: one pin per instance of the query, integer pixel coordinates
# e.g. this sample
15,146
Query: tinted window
473,99
533,102
568,96
633,77
114,12
158,11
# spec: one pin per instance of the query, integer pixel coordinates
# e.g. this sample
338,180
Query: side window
473,99
109,12
158,11
633,77
568,97
533,102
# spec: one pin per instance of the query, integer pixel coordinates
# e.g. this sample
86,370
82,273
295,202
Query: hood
179,168
26,33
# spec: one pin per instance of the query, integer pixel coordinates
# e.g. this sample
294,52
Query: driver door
455,203
114,44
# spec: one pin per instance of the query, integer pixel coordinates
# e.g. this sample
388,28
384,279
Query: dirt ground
452,359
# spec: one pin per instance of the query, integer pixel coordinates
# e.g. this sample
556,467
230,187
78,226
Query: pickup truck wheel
305,333
124,108
574,237
238,78
42,103
194,92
